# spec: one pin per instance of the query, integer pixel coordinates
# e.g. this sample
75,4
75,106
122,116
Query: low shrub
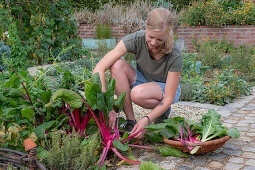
243,59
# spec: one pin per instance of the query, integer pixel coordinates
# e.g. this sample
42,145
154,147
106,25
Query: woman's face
155,39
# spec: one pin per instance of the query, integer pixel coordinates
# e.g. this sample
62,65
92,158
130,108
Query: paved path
234,155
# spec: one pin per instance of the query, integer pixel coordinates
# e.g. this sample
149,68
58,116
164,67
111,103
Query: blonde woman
154,84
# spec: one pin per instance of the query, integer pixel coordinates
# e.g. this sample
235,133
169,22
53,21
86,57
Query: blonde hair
161,19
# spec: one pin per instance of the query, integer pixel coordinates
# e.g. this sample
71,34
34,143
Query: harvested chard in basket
192,135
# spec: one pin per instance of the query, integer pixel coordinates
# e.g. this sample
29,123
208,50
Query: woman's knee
117,66
137,94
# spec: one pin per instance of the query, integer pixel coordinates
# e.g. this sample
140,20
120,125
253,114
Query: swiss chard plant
99,104
22,101
179,129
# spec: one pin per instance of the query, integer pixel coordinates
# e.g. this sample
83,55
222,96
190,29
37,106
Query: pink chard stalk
99,104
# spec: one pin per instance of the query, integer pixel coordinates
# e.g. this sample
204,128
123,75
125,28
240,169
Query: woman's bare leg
147,95
124,74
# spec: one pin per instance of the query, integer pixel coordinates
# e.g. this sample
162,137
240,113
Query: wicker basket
206,147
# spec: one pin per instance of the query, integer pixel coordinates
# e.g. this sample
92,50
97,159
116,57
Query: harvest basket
205,147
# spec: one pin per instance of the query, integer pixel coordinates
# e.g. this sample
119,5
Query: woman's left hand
140,126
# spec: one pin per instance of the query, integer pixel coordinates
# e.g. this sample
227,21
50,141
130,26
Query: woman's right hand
112,118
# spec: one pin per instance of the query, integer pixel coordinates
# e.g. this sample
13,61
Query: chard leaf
125,136
27,113
169,151
117,144
233,132
149,166
45,96
109,95
13,82
40,130
154,137
100,103
68,80
96,79
94,95
156,126
210,124
168,132
50,83
68,96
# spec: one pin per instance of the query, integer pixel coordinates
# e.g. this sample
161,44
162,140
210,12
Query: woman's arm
108,60
172,82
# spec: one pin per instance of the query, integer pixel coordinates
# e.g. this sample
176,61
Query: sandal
129,125
163,117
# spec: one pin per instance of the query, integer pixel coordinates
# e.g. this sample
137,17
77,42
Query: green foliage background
35,30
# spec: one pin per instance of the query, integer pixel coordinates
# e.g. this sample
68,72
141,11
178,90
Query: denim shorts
140,79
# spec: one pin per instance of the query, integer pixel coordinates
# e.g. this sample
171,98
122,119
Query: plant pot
94,44
205,147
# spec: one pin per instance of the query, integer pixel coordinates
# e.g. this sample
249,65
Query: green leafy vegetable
169,151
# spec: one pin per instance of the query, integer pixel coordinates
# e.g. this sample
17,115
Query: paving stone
250,117
227,109
243,129
246,121
251,134
237,142
228,146
167,165
224,113
227,125
231,152
208,106
175,159
185,167
241,112
248,149
235,105
238,115
201,168
217,157
230,121
232,166
215,164
249,107
249,168
199,161
242,124
133,167
218,150
248,155
246,139
250,162
236,160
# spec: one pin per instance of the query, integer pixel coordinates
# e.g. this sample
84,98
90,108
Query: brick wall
239,35
87,31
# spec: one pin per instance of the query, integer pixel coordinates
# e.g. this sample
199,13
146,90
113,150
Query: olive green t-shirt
153,70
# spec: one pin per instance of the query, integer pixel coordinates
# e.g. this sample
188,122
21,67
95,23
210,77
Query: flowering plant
219,13
223,88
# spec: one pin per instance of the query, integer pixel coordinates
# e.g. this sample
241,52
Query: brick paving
236,154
